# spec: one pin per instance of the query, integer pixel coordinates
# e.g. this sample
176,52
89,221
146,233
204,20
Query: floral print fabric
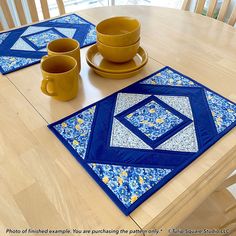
223,111
10,63
91,36
41,39
71,19
129,183
153,120
169,78
76,130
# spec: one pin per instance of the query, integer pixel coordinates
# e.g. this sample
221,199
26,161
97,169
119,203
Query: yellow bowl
118,31
118,54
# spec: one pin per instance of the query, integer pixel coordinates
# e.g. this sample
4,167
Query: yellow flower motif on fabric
144,122
91,111
133,198
80,121
159,120
141,181
229,110
75,143
171,81
152,110
151,124
159,74
130,115
124,173
105,179
64,124
213,113
218,121
120,181
77,127
153,82
191,82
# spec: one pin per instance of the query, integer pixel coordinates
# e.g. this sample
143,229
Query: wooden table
43,186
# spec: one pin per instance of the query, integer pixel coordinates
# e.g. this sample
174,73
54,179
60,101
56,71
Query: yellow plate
96,61
111,75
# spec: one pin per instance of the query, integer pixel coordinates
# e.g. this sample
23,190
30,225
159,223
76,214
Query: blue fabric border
165,180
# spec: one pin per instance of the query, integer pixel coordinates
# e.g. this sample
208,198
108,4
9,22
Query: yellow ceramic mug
65,46
60,77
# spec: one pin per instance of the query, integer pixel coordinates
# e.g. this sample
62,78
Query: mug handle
44,86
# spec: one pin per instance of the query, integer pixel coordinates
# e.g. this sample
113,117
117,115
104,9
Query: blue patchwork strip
29,43
137,139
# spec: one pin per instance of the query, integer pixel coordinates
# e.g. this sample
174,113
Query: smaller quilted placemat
25,46
137,139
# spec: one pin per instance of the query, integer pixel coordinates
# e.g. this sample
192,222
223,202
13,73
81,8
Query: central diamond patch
153,120
41,39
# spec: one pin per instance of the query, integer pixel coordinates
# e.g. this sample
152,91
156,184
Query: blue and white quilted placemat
25,46
134,141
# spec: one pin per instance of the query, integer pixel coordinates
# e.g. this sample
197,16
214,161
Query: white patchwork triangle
127,100
20,44
67,32
34,29
179,103
184,141
123,137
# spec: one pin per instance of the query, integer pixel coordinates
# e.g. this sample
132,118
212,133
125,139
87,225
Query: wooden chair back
32,9
211,8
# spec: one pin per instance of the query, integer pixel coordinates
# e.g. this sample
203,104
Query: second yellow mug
65,46
60,77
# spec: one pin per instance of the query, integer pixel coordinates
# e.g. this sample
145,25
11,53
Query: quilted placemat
25,46
134,141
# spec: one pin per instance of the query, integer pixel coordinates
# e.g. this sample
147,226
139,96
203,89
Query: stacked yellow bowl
118,38
118,42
